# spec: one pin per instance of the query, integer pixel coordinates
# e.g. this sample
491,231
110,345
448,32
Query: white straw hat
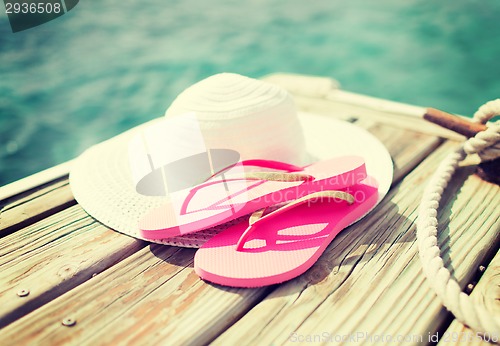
253,118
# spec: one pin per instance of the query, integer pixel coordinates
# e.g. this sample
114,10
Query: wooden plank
326,88
346,111
150,297
34,205
369,280
407,148
35,180
177,300
322,95
53,256
487,294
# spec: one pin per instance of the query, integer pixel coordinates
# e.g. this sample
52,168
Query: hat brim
102,184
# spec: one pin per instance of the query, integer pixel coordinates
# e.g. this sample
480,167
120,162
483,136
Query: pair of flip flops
295,214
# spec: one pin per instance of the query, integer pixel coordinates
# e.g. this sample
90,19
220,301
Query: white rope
487,145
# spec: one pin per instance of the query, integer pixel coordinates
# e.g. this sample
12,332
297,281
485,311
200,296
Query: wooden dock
67,279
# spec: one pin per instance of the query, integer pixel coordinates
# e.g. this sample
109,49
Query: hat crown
228,95
255,118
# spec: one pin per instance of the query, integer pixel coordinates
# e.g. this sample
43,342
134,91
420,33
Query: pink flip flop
226,197
285,243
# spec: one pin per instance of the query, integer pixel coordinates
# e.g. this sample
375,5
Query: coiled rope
487,145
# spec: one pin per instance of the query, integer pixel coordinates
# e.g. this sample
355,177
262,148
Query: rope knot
486,143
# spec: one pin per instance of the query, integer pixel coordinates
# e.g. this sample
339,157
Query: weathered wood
196,305
369,280
37,204
407,148
321,96
486,293
150,297
464,127
333,105
35,180
53,256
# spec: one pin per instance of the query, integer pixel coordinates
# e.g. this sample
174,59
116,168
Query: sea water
107,66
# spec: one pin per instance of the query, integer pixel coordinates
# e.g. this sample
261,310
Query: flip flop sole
283,248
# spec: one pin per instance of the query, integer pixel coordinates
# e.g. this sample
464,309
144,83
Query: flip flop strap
314,197
286,176
262,176
271,164
271,176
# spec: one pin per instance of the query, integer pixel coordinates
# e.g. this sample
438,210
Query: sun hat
254,118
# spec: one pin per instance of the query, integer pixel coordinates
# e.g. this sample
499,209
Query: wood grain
151,297
369,280
407,148
486,293
34,181
53,256
322,95
348,111
38,203
456,124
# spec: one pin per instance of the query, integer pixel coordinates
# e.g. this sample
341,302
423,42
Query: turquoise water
107,66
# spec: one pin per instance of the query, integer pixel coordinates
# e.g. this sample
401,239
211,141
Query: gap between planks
34,205
53,256
133,298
